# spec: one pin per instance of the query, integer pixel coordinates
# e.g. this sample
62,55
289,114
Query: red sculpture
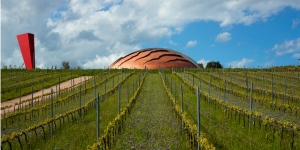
26,43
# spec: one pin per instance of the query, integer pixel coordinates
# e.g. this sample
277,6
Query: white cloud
77,31
296,55
102,61
288,46
223,37
191,43
172,43
240,63
295,23
204,62
41,65
269,64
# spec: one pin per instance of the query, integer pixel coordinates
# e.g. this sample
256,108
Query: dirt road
39,93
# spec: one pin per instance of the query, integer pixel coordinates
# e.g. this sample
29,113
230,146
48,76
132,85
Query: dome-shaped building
154,58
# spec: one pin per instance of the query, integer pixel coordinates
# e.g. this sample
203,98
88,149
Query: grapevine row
61,118
281,107
44,97
114,127
190,127
59,102
278,125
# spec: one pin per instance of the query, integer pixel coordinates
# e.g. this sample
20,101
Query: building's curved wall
154,58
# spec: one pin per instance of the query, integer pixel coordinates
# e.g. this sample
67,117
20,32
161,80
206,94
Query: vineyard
151,109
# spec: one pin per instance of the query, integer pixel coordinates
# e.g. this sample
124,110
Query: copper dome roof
154,58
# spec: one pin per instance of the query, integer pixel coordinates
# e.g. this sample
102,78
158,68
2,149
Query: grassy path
152,123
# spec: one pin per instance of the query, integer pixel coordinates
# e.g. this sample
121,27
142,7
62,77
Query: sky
94,33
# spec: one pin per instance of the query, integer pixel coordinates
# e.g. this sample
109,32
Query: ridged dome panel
154,58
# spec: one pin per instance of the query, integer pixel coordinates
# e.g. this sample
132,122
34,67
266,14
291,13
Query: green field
154,109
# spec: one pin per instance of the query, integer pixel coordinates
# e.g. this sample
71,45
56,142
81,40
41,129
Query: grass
152,123
25,90
243,102
84,128
224,131
20,123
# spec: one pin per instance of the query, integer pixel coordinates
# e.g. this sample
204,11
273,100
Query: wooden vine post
263,80
72,87
84,86
225,89
298,81
284,90
182,107
193,79
80,101
98,117
200,79
127,91
231,83
251,105
132,87
105,85
246,76
31,102
119,99
56,94
43,91
113,82
51,113
59,85
71,81
137,83
19,98
175,92
209,88
95,87
171,85
139,80
272,95
198,113
219,82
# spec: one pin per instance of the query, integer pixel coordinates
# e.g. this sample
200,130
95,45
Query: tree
213,64
3,66
65,65
200,65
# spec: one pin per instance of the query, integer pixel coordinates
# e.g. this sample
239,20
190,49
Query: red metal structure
154,58
26,43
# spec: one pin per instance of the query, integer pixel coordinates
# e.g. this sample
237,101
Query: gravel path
48,90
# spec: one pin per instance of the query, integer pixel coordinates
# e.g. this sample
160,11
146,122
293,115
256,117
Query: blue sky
252,42
94,33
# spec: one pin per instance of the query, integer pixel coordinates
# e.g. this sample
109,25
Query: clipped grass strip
190,127
114,127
